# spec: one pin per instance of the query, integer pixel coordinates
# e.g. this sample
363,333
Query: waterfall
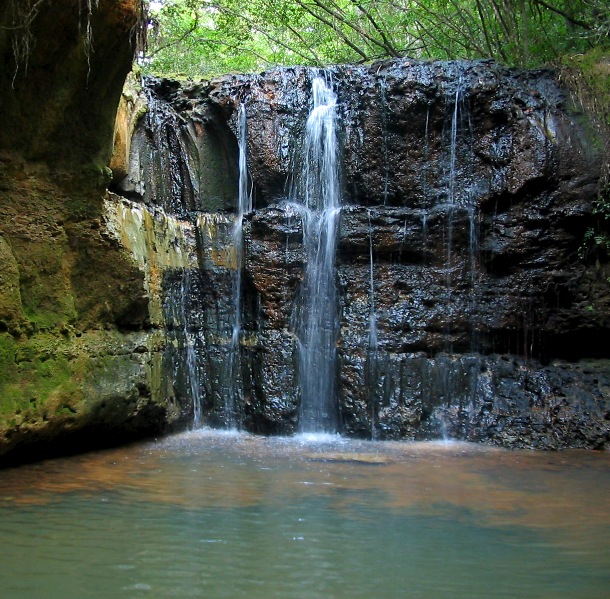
432,150
372,363
384,132
461,270
232,375
177,312
316,190
244,206
166,251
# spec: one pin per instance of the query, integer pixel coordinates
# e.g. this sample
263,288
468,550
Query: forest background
203,38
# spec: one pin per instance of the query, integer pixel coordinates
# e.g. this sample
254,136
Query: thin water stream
372,361
233,387
213,514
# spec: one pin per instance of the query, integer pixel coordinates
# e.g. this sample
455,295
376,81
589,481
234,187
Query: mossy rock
95,389
11,309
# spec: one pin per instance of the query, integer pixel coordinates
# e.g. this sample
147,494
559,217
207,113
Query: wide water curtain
317,191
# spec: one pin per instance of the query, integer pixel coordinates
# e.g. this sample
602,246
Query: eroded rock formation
467,189
77,366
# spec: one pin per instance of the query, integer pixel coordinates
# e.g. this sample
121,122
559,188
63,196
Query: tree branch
330,24
564,14
387,45
177,41
343,19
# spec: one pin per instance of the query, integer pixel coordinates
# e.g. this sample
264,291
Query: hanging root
23,41
88,35
24,13
139,32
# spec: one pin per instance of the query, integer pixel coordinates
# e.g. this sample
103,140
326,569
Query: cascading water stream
426,185
167,174
453,142
244,206
372,362
316,191
372,313
461,206
178,312
462,199
452,204
451,183
473,250
384,127
232,386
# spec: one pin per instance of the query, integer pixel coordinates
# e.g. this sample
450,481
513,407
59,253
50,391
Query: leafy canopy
207,37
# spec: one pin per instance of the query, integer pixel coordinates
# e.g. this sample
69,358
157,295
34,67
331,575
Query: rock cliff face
466,191
80,361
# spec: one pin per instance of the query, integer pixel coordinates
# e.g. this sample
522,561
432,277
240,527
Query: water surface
211,514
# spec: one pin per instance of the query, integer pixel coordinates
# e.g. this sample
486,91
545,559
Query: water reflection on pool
210,514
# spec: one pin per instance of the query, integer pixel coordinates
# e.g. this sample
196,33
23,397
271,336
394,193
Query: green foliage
207,37
587,76
594,243
594,70
596,240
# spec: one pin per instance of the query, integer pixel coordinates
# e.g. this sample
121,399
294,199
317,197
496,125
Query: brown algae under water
217,514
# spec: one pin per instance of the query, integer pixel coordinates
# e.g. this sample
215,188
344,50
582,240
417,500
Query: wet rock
466,191
80,360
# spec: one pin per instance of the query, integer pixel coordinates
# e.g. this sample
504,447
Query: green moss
590,81
7,358
96,176
587,77
11,309
38,380
51,383
596,71
45,321
44,285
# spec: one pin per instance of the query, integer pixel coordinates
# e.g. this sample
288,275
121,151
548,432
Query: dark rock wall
471,186
59,97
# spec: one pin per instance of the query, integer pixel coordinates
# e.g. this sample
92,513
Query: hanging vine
88,36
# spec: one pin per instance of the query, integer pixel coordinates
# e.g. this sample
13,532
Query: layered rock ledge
467,190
